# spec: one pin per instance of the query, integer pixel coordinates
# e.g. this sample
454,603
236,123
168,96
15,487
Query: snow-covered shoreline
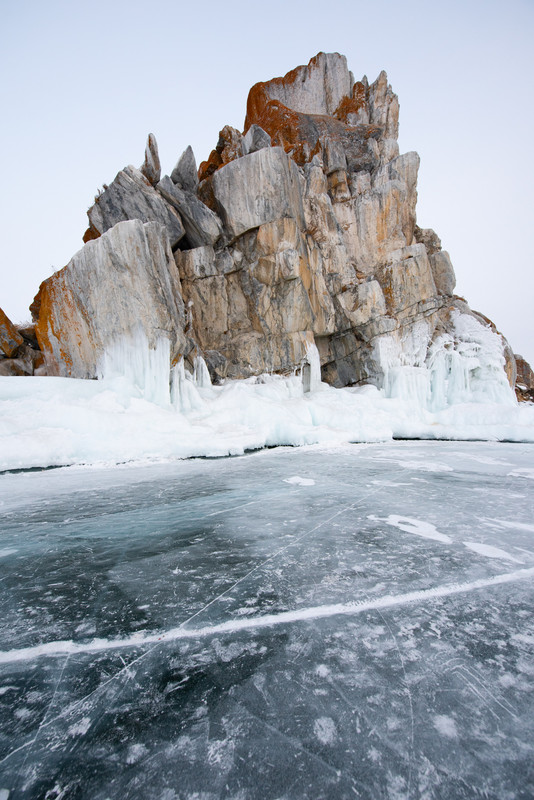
47,421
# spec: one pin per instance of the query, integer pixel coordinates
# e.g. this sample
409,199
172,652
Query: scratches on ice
62,648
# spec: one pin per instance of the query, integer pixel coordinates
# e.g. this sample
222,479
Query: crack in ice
60,648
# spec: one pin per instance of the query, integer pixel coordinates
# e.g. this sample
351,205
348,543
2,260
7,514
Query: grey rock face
10,338
131,196
202,226
151,167
255,139
115,287
185,174
258,188
318,88
443,273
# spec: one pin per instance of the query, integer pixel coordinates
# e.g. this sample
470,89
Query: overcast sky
84,83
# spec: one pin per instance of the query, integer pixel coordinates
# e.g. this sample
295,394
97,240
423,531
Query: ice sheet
207,629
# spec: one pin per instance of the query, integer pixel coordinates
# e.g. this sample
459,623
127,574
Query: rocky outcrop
151,167
19,350
524,386
121,286
300,230
132,196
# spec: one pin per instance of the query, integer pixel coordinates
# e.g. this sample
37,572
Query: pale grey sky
84,83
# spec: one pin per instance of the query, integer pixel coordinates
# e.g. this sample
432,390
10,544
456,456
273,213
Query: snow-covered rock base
137,411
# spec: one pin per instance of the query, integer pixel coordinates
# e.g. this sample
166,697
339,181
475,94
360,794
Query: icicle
145,369
201,376
311,369
184,394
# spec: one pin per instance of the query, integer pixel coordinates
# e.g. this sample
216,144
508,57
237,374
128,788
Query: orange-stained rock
524,387
312,104
229,147
122,284
10,338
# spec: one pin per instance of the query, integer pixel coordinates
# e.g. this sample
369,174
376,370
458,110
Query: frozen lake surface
295,623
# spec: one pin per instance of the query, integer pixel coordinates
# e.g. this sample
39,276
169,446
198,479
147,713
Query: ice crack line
61,648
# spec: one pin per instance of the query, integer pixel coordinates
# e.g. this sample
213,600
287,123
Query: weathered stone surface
12,366
151,167
10,338
229,147
131,196
185,174
524,386
256,189
408,279
255,139
317,88
202,225
196,263
429,238
124,282
363,303
443,272
28,334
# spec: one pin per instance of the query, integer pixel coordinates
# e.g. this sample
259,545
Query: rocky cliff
301,230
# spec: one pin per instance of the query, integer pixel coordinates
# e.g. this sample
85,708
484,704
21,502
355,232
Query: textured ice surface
207,629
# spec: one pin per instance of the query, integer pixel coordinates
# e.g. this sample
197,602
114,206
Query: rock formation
300,230
19,351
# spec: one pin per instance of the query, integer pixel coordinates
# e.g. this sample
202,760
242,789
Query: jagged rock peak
151,167
185,173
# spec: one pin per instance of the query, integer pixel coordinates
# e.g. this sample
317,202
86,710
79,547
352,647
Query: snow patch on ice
504,523
80,728
298,481
416,526
491,552
525,472
7,551
446,726
135,753
325,730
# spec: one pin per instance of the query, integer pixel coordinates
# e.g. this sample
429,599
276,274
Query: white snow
298,481
491,552
526,472
325,730
7,551
416,526
518,526
446,726
141,410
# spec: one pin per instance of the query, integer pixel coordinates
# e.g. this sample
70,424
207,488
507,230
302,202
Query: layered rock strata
300,230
